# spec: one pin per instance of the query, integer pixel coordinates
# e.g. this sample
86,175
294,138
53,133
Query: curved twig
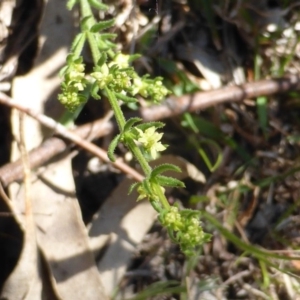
71,136
172,106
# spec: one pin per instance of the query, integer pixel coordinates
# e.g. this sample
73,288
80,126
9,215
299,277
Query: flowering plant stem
114,78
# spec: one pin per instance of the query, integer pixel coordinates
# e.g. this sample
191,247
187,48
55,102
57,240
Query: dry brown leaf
25,280
125,222
61,234
208,64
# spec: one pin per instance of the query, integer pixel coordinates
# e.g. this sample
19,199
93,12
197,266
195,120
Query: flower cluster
73,85
113,75
144,194
121,60
149,88
185,227
150,140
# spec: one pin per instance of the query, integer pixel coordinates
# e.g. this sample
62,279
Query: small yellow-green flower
122,60
103,78
150,140
173,219
144,194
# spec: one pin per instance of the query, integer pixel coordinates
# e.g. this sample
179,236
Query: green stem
116,108
94,48
138,155
147,170
158,191
86,12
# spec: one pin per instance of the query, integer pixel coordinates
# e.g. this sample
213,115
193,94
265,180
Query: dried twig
202,100
53,147
63,132
173,106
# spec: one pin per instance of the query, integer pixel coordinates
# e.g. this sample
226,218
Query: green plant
114,78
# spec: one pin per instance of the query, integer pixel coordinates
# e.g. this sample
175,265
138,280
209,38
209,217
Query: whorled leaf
112,147
146,185
102,59
130,122
63,71
102,25
125,98
156,205
133,57
94,91
108,36
84,23
78,42
169,181
147,125
164,168
133,186
98,5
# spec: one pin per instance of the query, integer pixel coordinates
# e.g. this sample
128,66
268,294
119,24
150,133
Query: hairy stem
158,191
139,156
116,108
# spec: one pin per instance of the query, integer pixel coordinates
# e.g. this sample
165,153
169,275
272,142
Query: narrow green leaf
211,166
114,68
189,213
94,91
125,98
198,199
102,25
70,58
93,41
164,168
190,122
205,127
112,147
147,125
62,71
102,59
147,187
133,57
130,122
169,181
103,47
98,5
76,41
132,187
110,44
160,290
255,251
78,44
84,23
108,35
265,274
156,205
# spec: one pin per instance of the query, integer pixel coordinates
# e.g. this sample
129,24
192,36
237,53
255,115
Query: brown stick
76,139
51,148
202,100
173,106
